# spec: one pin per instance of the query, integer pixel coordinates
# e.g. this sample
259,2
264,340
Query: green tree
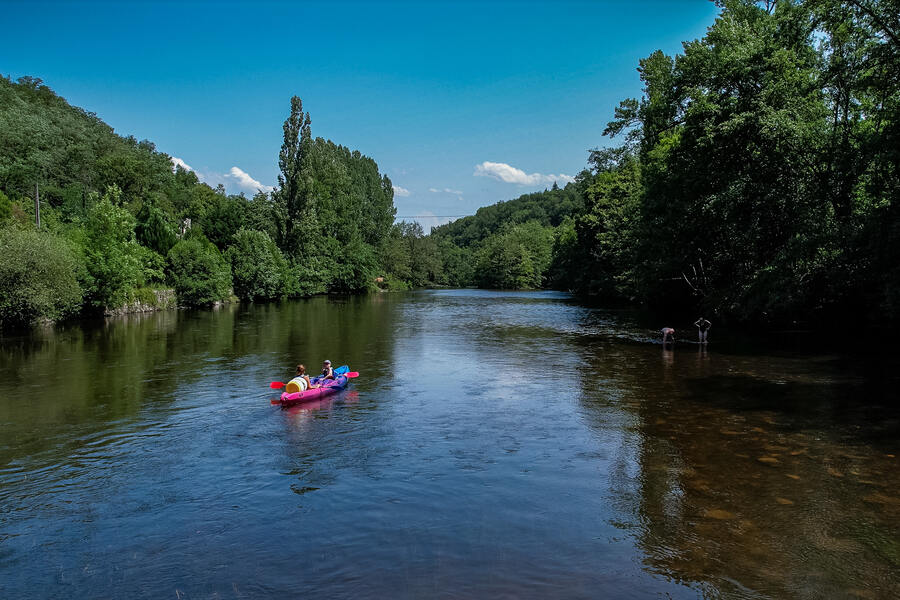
198,272
154,230
291,197
606,233
258,268
503,263
261,214
37,277
223,219
516,258
112,254
355,269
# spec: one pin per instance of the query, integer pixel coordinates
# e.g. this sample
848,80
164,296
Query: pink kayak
330,386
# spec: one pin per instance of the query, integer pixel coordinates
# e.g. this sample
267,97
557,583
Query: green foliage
70,151
330,214
458,264
392,283
154,230
5,207
759,172
261,215
409,255
112,256
198,272
153,267
484,249
355,270
567,260
225,216
600,259
259,269
37,277
332,208
515,258
309,277
549,208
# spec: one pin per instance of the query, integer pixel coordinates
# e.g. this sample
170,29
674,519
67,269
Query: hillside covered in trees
117,221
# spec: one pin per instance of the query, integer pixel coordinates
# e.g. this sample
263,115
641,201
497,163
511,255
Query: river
495,445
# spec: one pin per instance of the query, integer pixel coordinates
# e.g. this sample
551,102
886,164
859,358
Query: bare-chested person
668,335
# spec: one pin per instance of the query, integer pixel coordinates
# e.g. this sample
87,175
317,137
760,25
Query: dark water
510,445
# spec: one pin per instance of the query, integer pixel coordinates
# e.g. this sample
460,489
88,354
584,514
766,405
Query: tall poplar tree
292,197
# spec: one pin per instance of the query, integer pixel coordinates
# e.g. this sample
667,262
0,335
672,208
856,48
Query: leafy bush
37,277
153,267
112,256
198,272
258,268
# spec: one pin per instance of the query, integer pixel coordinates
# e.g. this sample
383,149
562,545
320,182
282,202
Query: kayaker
302,379
327,371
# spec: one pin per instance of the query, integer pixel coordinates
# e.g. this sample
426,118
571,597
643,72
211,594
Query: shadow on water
756,475
831,407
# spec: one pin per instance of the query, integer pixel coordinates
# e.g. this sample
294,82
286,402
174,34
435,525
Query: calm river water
515,445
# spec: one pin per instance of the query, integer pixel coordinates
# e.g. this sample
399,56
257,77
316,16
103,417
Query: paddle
277,385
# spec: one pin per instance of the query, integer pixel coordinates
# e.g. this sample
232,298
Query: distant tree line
519,244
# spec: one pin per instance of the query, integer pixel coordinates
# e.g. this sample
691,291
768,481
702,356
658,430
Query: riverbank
146,300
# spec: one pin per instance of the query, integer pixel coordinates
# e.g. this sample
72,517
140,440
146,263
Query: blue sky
462,104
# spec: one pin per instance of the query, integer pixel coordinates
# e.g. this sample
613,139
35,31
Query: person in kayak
327,371
302,379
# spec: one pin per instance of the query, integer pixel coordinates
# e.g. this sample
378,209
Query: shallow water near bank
496,444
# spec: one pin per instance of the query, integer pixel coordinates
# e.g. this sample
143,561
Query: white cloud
400,191
243,180
445,191
177,162
510,174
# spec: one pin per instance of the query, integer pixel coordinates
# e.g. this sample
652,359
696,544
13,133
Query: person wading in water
668,335
702,326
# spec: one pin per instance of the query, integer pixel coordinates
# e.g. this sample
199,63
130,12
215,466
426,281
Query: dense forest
757,180
117,221
760,170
